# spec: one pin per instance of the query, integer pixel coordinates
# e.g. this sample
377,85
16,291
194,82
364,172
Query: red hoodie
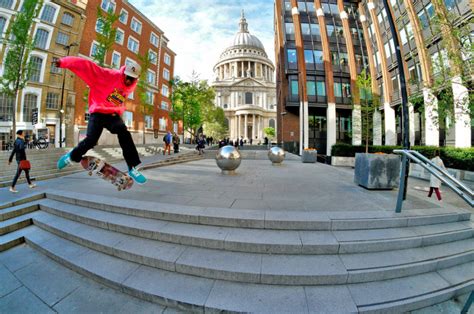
108,91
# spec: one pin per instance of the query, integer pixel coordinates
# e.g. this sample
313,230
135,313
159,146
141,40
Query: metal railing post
401,187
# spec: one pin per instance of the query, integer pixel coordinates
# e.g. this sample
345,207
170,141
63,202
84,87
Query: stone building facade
245,86
59,24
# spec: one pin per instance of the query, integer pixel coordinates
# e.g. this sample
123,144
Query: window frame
130,37
126,16
134,19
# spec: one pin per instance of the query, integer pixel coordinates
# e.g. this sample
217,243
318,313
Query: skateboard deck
107,172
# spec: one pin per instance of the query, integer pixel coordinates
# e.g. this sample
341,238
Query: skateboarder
109,89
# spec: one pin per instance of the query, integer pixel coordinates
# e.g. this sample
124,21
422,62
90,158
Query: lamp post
405,124
61,110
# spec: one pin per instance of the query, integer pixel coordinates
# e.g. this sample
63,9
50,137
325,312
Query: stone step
202,294
25,199
263,219
18,210
260,268
262,240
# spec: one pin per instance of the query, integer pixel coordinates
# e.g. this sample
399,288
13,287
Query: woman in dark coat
19,151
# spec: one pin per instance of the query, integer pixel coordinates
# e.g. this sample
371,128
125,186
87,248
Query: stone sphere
228,158
276,155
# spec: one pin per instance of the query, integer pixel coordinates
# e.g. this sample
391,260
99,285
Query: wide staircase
235,260
43,162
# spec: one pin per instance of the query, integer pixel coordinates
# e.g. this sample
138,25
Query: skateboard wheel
90,173
119,188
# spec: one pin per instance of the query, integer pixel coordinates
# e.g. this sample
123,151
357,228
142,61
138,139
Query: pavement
256,185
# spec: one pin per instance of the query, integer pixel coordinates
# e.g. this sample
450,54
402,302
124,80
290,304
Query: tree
191,103
215,124
143,87
453,70
269,132
368,104
19,44
106,35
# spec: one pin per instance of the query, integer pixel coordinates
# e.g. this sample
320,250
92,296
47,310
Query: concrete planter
377,171
309,156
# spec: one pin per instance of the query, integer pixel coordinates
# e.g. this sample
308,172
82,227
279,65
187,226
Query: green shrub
458,158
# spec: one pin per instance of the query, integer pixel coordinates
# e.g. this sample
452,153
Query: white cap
133,69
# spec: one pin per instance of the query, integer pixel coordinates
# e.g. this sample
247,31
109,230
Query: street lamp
61,110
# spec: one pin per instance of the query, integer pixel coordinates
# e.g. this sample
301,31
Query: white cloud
199,31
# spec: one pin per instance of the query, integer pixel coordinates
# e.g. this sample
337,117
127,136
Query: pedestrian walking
176,142
168,138
435,183
23,163
109,89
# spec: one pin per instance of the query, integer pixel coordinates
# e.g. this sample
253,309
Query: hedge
458,158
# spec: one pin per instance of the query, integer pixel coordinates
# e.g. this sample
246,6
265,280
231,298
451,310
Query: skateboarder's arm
87,70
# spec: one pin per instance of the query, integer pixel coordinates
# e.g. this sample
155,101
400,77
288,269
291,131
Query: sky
200,30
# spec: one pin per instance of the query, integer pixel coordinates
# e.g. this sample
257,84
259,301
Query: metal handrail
458,187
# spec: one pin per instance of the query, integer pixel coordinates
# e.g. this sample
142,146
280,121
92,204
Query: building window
3,22
52,101
318,56
149,98
164,90
163,123
154,39
48,13
149,122
321,88
294,87
41,38
7,4
175,127
54,68
308,57
136,26
99,26
403,36
6,107
123,18
131,95
128,118
62,39
337,89
67,19
167,59
311,88
292,59
108,6
289,29
151,77
116,60
94,49
248,98
36,65
166,74
346,90
119,36
164,105
133,45
315,29
152,57
271,123
30,102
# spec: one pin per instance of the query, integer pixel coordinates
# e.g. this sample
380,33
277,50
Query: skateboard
107,172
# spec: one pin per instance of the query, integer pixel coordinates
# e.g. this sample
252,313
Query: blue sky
198,31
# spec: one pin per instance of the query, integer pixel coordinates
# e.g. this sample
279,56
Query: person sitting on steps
109,89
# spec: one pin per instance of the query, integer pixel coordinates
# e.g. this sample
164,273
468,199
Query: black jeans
115,124
18,173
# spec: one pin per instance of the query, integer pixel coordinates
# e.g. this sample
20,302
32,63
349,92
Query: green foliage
192,102
269,132
106,38
19,43
215,124
458,158
145,107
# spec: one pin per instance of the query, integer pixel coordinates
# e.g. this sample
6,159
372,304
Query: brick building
136,35
59,24
322,45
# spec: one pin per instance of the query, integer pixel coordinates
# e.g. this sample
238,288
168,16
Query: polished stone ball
228,158
276,155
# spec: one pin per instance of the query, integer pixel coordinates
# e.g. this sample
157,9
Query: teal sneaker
137,176
64,160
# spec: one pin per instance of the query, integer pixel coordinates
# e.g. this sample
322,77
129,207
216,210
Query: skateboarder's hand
56,63
9,162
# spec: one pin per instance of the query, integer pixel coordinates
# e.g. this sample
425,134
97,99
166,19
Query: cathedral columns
253,127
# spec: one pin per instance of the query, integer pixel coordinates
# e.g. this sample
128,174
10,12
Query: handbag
25,165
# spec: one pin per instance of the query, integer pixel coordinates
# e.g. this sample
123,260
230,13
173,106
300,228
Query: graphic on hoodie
116,98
